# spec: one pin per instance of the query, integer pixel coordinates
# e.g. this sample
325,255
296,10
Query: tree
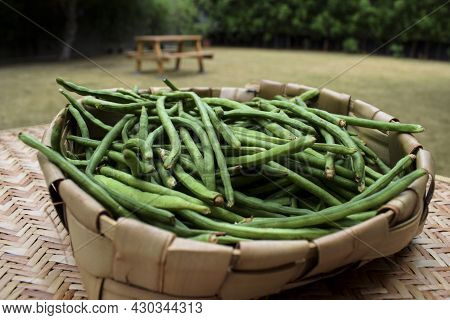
70,28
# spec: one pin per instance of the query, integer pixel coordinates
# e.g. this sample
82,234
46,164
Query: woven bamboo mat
36,261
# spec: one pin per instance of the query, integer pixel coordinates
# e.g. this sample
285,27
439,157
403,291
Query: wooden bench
160,56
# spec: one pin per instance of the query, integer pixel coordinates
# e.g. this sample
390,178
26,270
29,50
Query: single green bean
197,188
382,125
284,201
320,173
330,169
371,155
341,211
230,240
117,146
151,137
82,126
155,200
319,162
144,185
240,230
256,203
334,148
307,185
281,98
166,177
131,93
78,177
143,124
85,113
226,215
206,237
78,163
192,149
170,84
353,219
139,208
56,134
171,132
259,135
323,114
127,128
106,142
132,162
250,213
241,113
251,141
140,145
102,94
274,153
103,105
309,94
275,128
222,128
401,165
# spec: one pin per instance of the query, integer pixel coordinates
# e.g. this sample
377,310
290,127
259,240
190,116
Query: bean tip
213,238
420,129
329,174
230,203
246,220
361,186
218,201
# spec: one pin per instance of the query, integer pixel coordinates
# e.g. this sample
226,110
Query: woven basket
127,259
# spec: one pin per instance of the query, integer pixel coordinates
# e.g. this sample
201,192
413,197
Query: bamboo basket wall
127,259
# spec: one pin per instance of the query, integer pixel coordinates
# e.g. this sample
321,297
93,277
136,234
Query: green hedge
349,25
342,25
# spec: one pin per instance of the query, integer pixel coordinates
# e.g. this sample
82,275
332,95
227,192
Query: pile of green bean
219,170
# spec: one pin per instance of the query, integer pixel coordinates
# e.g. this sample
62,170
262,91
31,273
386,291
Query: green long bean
102,148
307,185
378,185
272,154
155,200
82,126
382,125
86,113
341,211
102,94
171,132
78,177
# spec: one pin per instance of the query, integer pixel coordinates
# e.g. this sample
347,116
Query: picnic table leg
158,54
198,47
138,57
178,60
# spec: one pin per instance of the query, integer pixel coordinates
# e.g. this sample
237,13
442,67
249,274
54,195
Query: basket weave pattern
129,259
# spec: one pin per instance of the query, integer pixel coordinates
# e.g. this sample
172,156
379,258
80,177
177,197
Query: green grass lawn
413,90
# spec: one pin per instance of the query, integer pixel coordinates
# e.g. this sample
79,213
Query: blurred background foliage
108,26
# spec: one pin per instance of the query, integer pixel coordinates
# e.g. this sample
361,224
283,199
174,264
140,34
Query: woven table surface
36,260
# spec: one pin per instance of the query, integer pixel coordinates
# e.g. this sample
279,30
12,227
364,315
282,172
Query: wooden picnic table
160,55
